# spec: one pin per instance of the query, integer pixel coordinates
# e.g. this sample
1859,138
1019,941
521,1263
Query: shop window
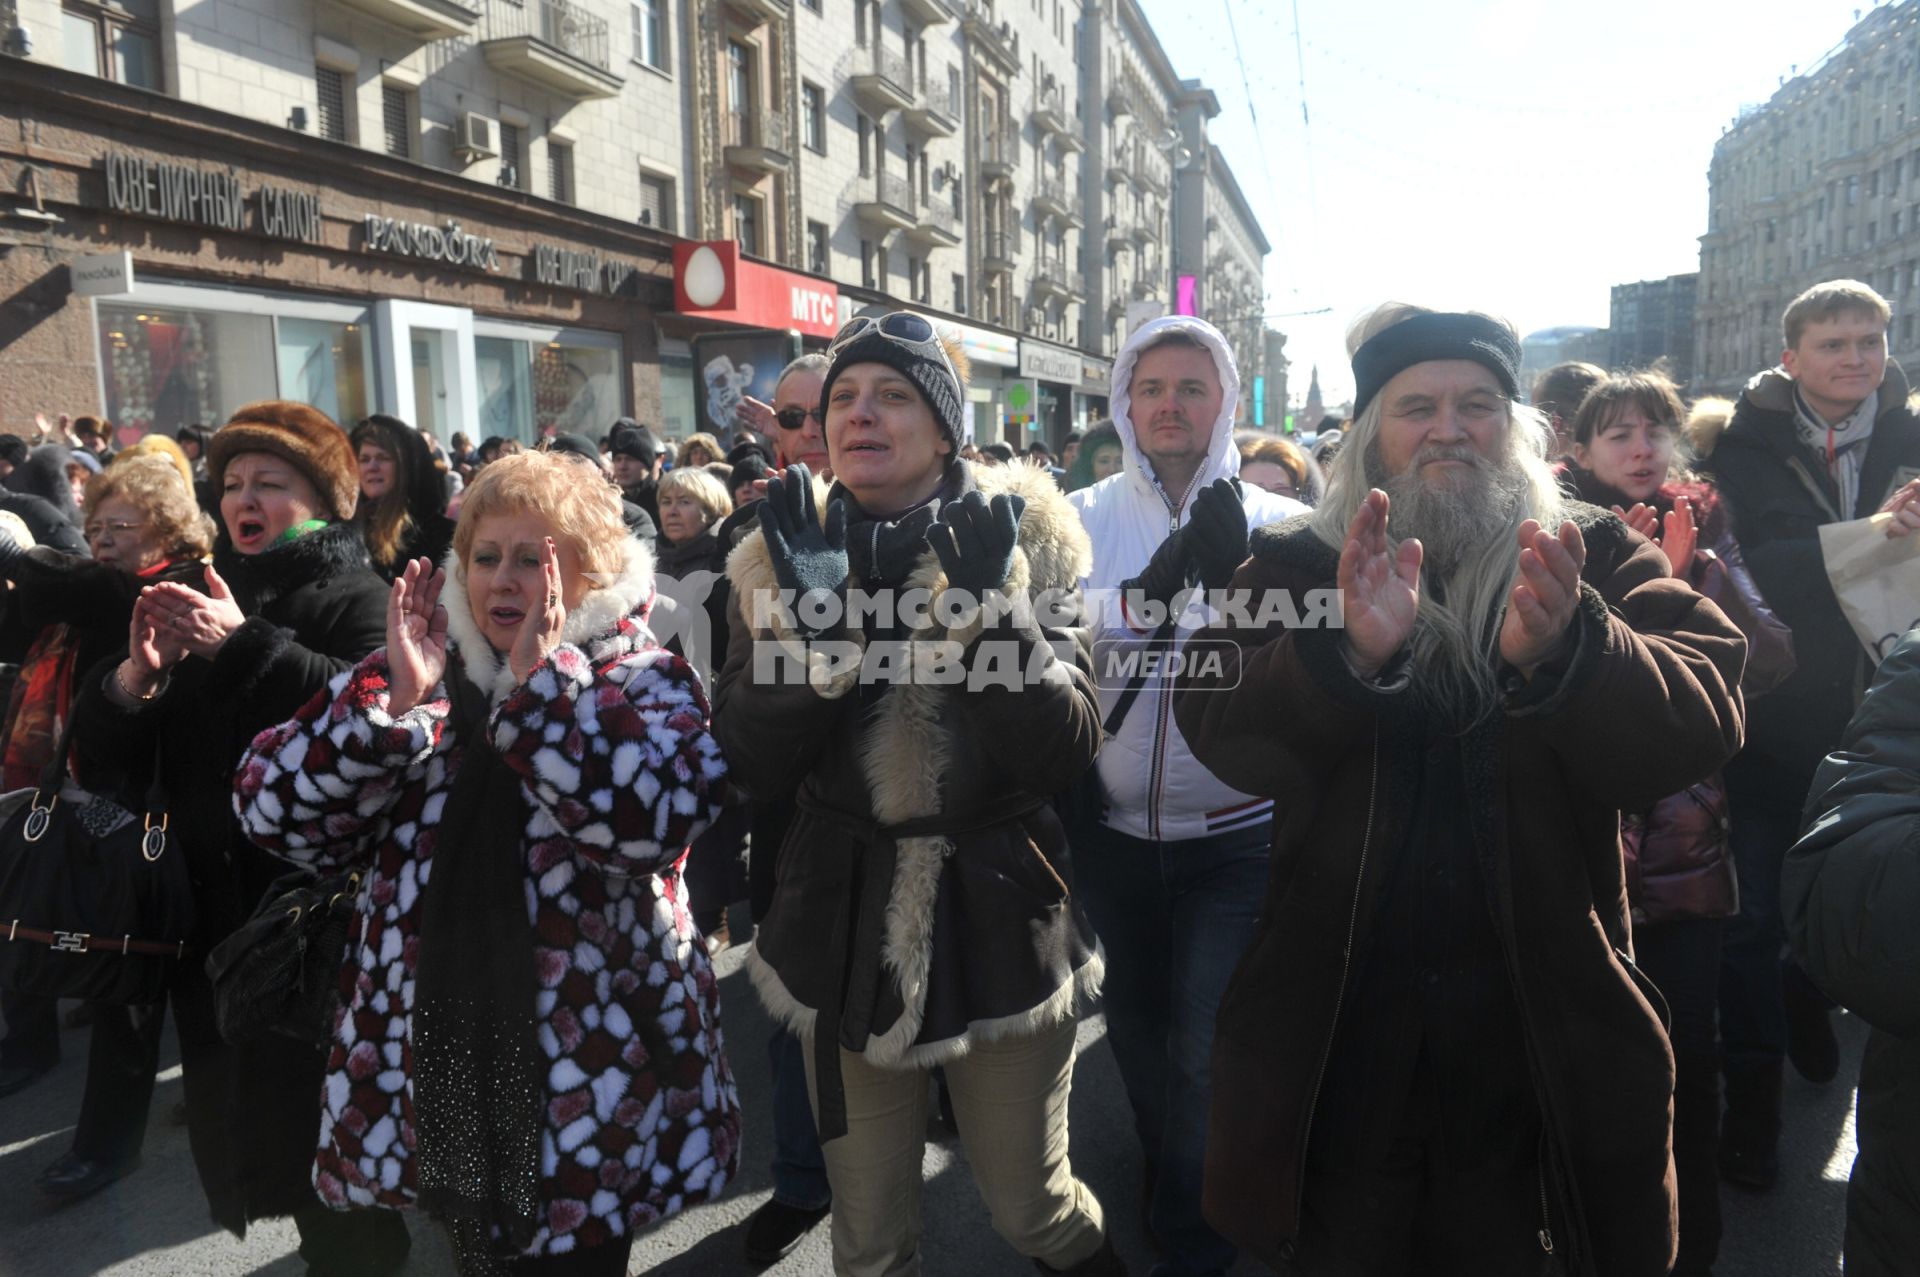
656,201
560,172
396,120
164,369
813,117
650,33
817,258
531,388
330,89
119,41
513,167
324,364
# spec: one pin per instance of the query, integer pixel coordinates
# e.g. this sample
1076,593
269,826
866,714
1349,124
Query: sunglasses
902,329
795,417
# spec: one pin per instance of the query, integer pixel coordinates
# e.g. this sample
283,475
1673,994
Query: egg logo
704,278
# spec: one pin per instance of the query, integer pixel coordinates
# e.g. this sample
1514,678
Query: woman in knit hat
289,602
922,913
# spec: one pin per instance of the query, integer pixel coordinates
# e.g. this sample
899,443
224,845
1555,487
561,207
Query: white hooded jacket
1155,787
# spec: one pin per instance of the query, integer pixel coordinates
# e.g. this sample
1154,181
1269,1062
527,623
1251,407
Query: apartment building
1651,322
1822,181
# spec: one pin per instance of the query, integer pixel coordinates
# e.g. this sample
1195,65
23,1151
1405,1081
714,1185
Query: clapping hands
416,636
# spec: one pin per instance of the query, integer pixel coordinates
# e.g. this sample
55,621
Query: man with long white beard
1437,1056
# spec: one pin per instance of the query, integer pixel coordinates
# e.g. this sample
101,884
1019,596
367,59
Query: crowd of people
1443,903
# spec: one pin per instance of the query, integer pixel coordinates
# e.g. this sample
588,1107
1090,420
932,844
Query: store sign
1096,375
206,196
588,271
1049,363
108,275
447,244
713,281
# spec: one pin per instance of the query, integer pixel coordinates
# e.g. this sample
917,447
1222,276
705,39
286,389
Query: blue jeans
799,1169
1174,918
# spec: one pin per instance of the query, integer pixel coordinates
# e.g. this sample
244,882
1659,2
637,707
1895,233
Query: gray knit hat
936,381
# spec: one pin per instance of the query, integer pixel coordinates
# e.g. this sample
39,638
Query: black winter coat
49,526
1780,495
314,608
1850,894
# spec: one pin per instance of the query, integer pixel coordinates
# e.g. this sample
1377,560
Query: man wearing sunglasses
1172,876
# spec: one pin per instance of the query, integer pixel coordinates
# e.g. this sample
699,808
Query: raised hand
1546,590
416,636
1680,536
808,559
540,629
756,416
1217,533
1904,506
201,622
152,652
975,541
1642,519
1379,586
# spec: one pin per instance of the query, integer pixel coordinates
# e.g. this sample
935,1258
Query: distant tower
1315,409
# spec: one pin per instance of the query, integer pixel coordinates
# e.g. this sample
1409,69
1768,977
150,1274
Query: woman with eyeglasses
289,601
922,913
63,615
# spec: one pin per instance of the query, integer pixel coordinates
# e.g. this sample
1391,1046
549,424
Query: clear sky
1518,156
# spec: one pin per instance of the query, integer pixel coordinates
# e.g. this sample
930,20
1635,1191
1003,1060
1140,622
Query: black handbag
279,972
95,902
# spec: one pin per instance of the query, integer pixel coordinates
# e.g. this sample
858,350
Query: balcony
553,44
996,253
1143,289
882,78
935,113
1050,114
1053,198
888,204
1057,279
1120,100
427,19
995,40
759,142
938,226
761,10
1118,236
1144,233
999,154
927,13
1118,171
1148,177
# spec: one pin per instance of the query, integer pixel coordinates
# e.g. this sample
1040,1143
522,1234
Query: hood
1223,455
1772,389
44,474
630,591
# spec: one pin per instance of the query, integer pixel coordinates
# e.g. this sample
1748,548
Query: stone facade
1820,182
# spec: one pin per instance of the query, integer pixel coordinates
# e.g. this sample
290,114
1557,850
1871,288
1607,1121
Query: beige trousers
1010,1098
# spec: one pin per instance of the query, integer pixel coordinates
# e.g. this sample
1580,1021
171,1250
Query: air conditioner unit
479,137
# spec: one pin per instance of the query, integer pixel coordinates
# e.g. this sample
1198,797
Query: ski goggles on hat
902,328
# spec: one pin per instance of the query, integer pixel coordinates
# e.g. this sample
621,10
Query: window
913,279
860,23
866,147
396,120
866,263
656,201
649,33
560,172
330,87
118,42
817,260
746,224
512,167
959,294
813,117
814,5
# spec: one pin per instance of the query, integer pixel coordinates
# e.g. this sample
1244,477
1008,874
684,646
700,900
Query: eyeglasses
110,531
795,417
902,328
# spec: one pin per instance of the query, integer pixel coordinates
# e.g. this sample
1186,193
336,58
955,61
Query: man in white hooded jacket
1172,874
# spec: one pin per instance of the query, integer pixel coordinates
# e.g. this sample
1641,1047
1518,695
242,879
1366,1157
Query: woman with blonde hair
518,772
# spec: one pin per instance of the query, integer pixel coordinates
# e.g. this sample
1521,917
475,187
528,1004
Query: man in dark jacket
637,457
1824,438
1851,896
1437,1056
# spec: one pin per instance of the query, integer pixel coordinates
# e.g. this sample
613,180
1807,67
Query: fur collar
260,579
599,613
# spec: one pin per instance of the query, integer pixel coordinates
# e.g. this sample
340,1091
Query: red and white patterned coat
619,772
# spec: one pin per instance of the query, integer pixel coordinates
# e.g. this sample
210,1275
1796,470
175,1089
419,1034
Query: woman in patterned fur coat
528,1045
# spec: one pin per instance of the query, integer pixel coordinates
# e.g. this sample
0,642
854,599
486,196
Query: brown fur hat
304,436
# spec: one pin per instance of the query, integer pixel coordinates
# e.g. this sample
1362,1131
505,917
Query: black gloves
1216,533
975,541
1213,545
807,558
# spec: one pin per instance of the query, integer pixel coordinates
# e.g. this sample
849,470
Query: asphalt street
154,1223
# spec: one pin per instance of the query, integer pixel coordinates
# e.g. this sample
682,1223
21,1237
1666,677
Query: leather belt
82,942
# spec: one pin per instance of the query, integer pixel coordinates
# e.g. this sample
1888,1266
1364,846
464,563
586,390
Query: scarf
478,1080
882,552
1841,444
